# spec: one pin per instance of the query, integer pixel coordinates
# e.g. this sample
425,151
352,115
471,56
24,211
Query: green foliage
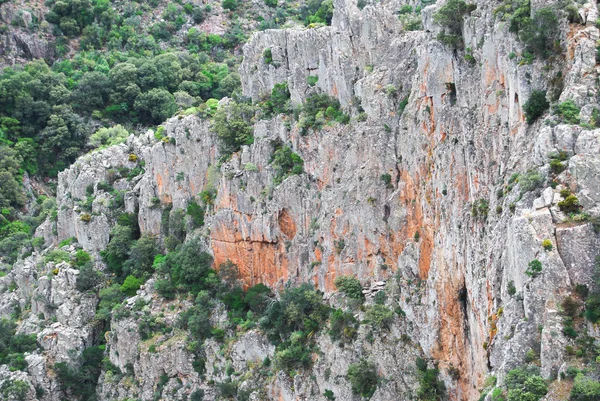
300,309
278,102
570,204
312,80
81,381
363,378
118,248
14,389
431,388
318,110
379,316
525,384
88,278
534,268
316,12
230,5
285,163
350,286
109,298
12,346
131,285
568,112
541,33
257,297
530,180
267,56
197,213
105,137
387,180
343,326
451,16
81,258
233,125
585,389
535,106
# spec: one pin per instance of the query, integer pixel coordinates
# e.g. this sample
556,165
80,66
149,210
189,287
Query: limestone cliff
450,236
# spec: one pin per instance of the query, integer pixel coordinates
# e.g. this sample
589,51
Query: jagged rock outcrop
451,235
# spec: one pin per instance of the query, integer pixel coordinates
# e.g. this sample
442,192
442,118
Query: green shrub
267,56
233,125
312,80
257,297
343,326
363,378
386,179
230,5
568,111
525,384
81,381
547,245
379,316
451,16
530,180
556,166
541,33
286,163
430,387
300,309
570,204
131,285
81,258
88,278
318,109
197,213
534,268
350,286
535,106
14,389
585,389
278,102
13,346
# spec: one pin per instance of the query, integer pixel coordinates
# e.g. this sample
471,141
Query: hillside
299,201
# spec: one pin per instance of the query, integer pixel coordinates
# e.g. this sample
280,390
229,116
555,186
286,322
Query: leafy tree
525,384
141,256
585,389
257,297
109,136
118,248
286,163
541,33
11,195
156,106
363,378
535,106
451,16
233,125
92,92
131,285
350,286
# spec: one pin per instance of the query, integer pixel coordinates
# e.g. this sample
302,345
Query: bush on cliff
535,106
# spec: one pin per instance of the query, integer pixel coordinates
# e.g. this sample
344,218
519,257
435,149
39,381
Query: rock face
451,235
18,41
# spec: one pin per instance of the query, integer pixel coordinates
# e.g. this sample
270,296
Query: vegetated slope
402,205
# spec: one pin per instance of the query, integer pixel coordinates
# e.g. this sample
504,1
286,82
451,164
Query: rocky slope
450,238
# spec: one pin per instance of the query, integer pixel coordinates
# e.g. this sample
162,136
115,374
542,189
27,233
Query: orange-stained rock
287,224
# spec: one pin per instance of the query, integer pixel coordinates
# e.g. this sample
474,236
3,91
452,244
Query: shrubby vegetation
286,163
535,106
451,16
12,345
319,109
431,388
363,378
